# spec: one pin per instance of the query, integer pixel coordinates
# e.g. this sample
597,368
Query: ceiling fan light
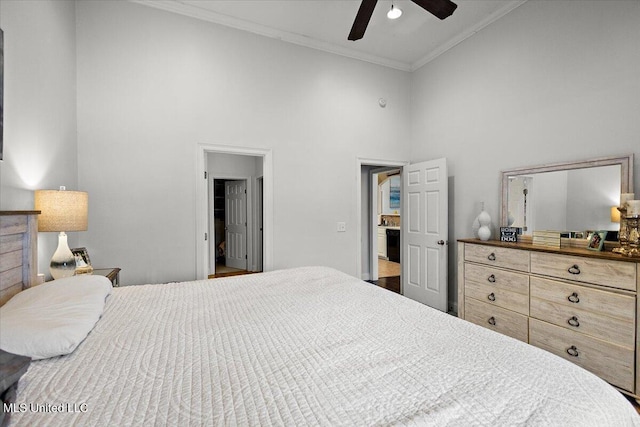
394,12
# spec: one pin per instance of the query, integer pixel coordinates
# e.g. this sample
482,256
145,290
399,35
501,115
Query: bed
303,346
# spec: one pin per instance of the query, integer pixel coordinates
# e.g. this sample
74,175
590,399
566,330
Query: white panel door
235,200
425,233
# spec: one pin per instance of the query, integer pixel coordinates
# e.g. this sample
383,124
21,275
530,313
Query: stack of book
548,238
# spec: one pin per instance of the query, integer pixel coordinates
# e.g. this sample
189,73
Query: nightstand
112,274
12,367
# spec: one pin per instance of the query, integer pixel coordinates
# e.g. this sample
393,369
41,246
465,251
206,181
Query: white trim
202,208
508,7
365,161
196,12
274,33
257,225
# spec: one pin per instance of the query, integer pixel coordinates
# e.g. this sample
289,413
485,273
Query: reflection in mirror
565,197
573,200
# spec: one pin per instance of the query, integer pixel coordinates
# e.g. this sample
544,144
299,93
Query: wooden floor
388,275
224,271
388,268
390,283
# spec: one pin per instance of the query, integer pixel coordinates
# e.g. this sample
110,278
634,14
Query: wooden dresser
578,304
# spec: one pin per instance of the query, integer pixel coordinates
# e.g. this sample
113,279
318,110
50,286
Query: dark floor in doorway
389,283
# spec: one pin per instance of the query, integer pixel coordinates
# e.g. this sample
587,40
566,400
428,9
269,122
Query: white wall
592,201
152,85
549,212
40,150
221,165
549,82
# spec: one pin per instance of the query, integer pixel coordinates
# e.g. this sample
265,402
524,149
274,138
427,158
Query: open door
424,233
236,223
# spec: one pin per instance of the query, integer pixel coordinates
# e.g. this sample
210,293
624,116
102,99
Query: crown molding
178,7
508,7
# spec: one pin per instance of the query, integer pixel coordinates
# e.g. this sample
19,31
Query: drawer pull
573,298
491,257
492,278
573,321
574,269
573,351
492,321
491,297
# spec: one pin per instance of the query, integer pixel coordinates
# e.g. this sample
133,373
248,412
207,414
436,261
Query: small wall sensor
382,102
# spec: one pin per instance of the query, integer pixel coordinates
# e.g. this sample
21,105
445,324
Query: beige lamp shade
615,214
62,210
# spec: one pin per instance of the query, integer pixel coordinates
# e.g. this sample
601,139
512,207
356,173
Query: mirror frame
626,175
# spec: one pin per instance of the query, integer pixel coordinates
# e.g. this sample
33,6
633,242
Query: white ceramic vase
484,219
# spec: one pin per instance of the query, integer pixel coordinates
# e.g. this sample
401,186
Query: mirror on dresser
571,196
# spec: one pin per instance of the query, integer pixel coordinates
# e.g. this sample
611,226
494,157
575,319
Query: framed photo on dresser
596,240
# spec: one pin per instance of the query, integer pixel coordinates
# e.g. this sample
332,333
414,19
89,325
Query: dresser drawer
513,259
601,314
498,319
615,274
611,362
498,287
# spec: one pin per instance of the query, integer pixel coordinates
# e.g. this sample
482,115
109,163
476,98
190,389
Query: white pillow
52,319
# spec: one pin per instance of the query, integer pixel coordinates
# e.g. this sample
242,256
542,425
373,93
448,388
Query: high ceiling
406,43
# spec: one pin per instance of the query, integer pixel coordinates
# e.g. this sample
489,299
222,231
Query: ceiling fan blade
439,8
362,19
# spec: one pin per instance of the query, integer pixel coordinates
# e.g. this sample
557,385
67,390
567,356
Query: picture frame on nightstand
83,262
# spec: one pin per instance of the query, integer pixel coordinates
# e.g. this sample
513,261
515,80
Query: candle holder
623,234
634,235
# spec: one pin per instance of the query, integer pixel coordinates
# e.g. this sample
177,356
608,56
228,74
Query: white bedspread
307,346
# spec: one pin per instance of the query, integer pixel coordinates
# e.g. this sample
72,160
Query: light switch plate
342,227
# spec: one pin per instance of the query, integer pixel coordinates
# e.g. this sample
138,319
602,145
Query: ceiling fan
440,8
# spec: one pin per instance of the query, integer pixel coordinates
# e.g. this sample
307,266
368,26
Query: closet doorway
235,214
259,254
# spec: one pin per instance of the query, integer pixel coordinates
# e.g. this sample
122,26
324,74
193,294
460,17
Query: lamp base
63,262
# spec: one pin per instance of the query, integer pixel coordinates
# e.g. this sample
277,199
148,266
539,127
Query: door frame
202,203
258,226
373,203
373,253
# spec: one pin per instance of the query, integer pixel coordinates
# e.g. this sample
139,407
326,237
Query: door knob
440,242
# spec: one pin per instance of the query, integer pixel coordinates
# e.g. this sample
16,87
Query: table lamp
615,214
62,211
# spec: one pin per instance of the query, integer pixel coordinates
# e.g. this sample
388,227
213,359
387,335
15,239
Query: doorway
229,227
424,224
233,213
372,258
259,203
385,207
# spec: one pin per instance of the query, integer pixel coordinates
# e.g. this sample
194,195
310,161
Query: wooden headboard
18,252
